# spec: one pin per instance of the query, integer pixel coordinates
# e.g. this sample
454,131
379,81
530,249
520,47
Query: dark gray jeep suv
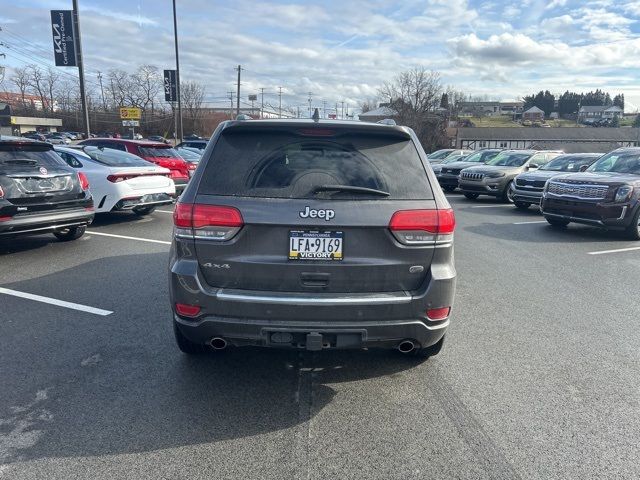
312,235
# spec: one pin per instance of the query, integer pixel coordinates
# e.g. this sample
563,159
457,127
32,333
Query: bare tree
192,95
20,79
148,82
50,81
368,104
118,86
415,95
37,84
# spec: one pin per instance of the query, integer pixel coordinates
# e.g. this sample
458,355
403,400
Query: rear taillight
185,310
4,218
207,222
436,314
84,181
422,227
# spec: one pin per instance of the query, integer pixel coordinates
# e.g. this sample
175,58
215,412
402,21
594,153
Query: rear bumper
293,334
345,320
46,222
599,214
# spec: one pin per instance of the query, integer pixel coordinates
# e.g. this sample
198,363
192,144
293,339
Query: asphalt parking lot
540,376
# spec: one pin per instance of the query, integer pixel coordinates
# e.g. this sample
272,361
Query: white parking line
54,301
493,206
618,250
529,223
125,237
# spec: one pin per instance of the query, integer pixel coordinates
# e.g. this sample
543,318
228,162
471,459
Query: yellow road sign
130,113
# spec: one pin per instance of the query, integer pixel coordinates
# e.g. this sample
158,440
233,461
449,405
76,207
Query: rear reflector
438,313
421,227
4,218
185,310
210,222
84,181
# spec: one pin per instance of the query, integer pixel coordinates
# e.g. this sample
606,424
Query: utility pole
230,92
175,36
280,108
336,110
83,93
238,94
298,111
310,100
343,109
262,102
324,109
104,102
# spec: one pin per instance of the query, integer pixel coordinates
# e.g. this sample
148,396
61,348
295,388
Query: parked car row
587,188
58,189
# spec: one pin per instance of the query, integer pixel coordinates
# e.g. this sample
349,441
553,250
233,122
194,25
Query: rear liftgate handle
315,280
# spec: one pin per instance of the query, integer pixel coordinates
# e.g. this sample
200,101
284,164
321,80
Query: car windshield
481,156
618,162
439,154
568,163
158,152
188,154
509,159
115,158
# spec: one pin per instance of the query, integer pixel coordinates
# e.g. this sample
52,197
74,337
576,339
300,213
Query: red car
156,152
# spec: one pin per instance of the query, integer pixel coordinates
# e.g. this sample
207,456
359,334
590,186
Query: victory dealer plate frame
316,245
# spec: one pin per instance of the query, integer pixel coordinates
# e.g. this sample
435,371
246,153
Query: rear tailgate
271,177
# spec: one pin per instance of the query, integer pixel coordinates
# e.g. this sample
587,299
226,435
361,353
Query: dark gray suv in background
312,235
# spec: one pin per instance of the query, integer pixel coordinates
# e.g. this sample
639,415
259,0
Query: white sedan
119,180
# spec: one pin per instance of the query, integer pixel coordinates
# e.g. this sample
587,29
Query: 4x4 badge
313,213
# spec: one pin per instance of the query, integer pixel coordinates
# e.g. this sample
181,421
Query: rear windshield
115,158
158,152
29,154
619,162
509,159
284,165
569,163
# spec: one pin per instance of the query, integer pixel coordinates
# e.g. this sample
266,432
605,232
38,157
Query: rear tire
522,205
557,222
431,351
632,232
472,196
449,188
187,346
143,210
71,233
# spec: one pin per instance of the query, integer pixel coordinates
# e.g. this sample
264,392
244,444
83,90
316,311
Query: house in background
380,113
534,114
592,114
481,109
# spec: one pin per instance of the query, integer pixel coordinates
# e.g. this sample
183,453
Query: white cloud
555,4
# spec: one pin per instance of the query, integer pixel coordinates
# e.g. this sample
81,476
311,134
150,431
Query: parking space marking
529,223
617,250
125,237
54,301
493,206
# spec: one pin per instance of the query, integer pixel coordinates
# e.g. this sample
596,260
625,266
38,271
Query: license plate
315,245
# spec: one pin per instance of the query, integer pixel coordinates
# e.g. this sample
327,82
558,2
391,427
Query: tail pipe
218,343
406,346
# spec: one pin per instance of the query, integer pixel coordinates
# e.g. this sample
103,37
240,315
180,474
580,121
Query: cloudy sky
342,50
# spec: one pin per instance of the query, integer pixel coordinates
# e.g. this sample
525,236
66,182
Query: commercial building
569,139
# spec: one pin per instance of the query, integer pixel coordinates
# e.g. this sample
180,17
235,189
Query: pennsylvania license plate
315,245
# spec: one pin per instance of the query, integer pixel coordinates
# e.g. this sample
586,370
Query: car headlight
494,174
623,193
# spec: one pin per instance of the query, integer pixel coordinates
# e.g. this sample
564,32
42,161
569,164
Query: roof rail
387,121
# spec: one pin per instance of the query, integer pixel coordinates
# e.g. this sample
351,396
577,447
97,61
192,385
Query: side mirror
533,166
583,168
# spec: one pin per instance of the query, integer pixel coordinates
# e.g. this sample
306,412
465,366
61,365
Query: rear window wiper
350,189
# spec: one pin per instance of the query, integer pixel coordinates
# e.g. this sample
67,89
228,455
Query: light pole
175,36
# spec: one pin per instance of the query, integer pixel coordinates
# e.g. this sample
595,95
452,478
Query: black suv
606,195
312,235
40,193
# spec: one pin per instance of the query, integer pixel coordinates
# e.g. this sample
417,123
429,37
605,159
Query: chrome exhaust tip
218,343
406,346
